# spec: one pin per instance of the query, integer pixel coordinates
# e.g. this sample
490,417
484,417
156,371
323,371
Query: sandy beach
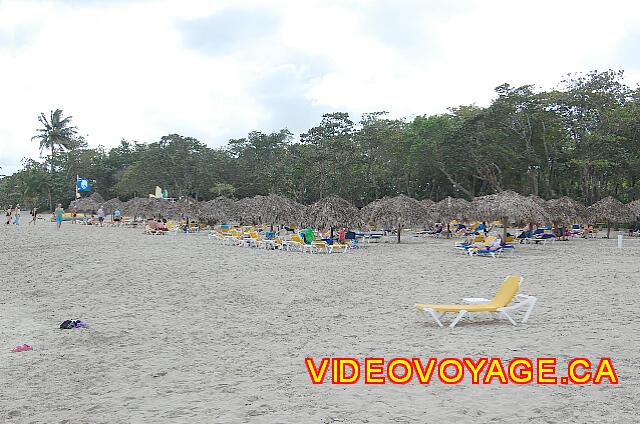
185,330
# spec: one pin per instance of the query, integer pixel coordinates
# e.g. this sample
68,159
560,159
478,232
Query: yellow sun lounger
507,293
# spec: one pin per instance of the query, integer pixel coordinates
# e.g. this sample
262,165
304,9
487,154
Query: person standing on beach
9,213
101,215
58,212
16,215
117,216
309,237
74,214
34,215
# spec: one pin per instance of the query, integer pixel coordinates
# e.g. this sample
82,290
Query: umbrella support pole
505,224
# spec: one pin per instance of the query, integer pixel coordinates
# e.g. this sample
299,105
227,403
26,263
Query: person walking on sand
58,212
9,213
101,215
16,215
34,215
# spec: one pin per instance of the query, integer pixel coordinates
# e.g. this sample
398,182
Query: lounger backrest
507,291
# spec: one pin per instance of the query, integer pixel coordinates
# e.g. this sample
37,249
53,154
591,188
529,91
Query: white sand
183,330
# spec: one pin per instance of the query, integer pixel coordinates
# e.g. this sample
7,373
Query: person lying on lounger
155,226
470,238
525,234
437,229
494,245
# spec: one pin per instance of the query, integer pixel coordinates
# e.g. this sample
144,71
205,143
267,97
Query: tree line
581,139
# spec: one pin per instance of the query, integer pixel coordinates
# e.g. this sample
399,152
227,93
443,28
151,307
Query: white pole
620,241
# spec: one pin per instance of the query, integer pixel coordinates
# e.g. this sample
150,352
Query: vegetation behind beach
580,139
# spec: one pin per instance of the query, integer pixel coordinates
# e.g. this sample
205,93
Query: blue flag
83,184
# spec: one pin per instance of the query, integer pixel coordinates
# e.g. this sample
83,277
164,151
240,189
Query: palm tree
56,133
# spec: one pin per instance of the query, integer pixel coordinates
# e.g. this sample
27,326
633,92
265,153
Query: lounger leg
532,303
433,315
457,318
508,317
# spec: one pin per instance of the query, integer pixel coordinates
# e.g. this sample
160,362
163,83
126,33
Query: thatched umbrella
565,210
451,208
396,212
612,210
111,205
274,209
248,210
88,204
186,206
218,210
634,207
508,205
147,207
331,212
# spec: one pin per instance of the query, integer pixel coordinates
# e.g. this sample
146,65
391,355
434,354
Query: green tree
56,133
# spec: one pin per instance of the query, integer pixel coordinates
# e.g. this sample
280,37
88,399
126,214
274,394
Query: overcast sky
216,70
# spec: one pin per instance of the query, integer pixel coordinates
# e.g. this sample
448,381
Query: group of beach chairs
167,227
249,237
484,246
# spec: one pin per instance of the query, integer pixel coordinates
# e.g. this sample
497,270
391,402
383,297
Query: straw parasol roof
565,210
508,205
330,212
186,206
272,209
248,210
111,205
88,204
427,203
394,211
451,208
539,200
147,207
634,207
610,209
219,210
275,209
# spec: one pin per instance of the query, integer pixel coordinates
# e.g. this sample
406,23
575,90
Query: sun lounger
500,304
215,236
294,244
466,247
338,246
494,253
543,238
368,237
321,246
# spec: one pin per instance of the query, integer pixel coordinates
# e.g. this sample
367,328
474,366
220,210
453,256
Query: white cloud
129,69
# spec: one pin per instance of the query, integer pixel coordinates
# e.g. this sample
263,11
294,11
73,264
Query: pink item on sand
22,348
